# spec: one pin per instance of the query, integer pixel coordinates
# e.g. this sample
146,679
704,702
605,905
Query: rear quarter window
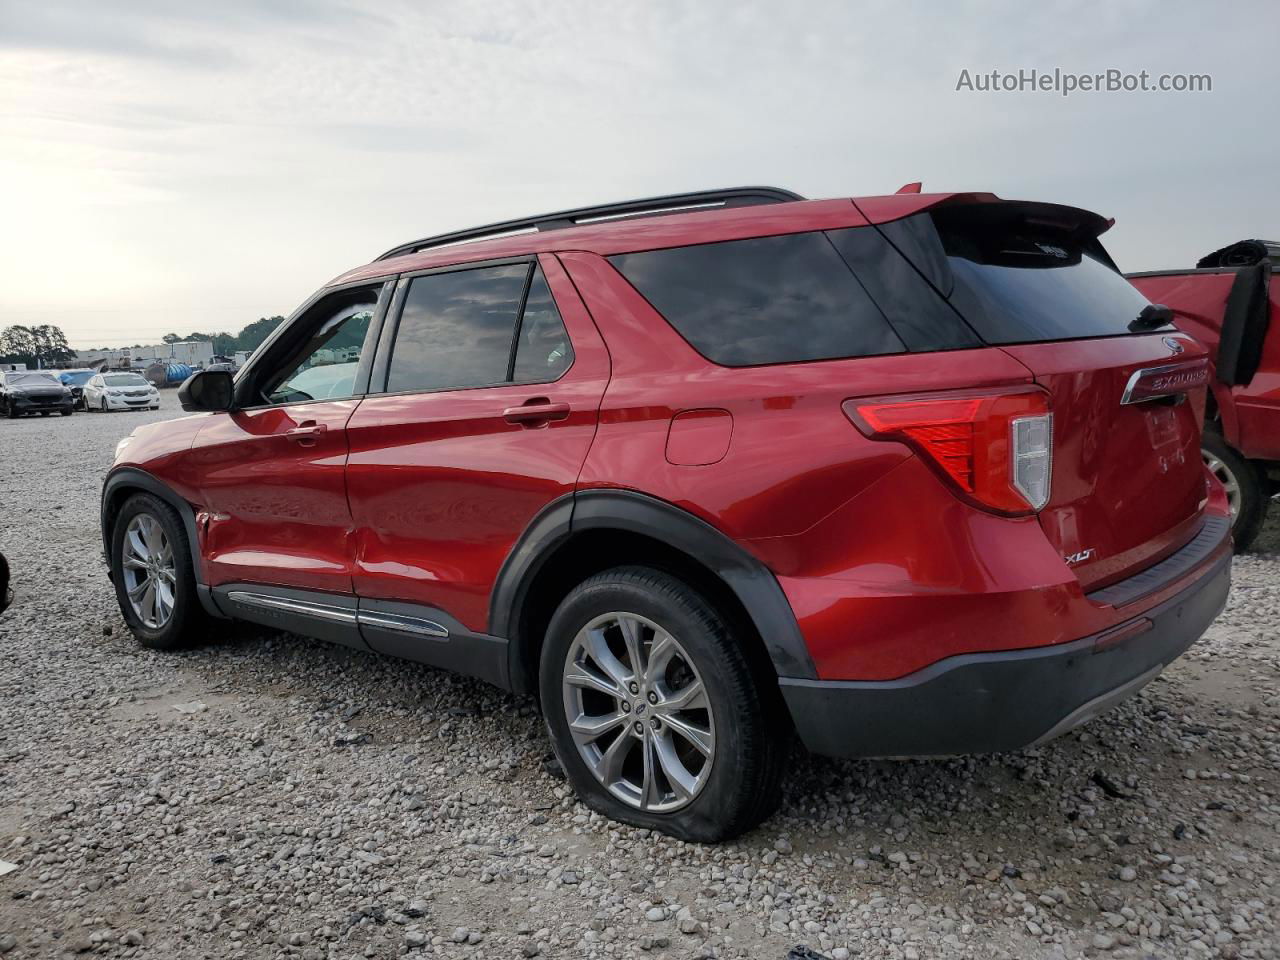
765,300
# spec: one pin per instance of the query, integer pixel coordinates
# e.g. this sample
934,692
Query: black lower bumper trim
990,702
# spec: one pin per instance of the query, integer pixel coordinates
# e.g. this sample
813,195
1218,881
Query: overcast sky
194,166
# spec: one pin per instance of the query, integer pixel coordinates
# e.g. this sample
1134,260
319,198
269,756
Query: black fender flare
132,479
750,580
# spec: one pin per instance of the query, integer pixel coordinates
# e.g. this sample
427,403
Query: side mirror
208,391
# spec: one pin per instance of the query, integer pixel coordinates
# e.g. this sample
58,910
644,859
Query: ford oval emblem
1174,345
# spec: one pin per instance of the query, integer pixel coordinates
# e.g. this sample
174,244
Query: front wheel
67,412
1245,485
104,407
655,711
153,574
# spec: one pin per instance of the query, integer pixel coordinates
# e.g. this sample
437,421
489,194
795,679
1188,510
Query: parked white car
120,391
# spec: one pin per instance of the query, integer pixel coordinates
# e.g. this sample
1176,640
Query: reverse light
996,448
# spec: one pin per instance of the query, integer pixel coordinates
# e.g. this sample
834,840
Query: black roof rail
653,206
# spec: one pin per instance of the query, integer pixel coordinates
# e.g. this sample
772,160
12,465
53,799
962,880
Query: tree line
35,346
46,345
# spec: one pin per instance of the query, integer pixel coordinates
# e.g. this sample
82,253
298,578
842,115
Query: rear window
765,300
1016,284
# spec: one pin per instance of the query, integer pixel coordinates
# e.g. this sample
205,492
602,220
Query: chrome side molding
378,619
306,608
402,624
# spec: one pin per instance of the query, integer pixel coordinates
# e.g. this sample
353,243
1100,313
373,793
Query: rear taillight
997,448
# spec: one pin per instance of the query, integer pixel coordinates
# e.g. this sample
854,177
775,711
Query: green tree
35,346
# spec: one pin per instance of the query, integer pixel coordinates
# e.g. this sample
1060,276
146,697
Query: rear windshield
1015,284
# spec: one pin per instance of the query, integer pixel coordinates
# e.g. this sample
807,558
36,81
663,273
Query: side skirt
408,631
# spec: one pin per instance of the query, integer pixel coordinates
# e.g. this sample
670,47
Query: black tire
1251,510
10,412
104,408
752,729
189,622
67,412
44,413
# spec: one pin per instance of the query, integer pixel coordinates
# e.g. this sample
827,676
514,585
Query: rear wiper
1153,316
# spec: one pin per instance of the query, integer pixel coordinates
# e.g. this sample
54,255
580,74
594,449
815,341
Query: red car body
1245,391
900,614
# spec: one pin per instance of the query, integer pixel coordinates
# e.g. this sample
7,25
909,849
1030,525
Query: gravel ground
266,796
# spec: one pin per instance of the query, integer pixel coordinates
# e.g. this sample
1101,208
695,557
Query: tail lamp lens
997,448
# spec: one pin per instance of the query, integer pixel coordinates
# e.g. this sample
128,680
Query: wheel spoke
649,795
682,781
609,767
147,602
597,647
164,600
581,675
691,697
588,729
699,737
133,563
149,531
661,651
136,591
632,637
136,545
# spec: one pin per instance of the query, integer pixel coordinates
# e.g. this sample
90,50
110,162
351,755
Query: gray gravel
266,796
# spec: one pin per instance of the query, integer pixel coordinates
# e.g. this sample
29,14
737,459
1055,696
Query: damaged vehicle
898,475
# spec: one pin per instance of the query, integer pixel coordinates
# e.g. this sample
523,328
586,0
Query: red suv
1227,304
916,474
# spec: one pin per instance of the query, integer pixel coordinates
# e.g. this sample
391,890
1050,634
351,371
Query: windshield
124,380
30,378
76,378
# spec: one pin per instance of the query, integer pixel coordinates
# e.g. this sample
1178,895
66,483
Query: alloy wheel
638,712
150,575
1228,480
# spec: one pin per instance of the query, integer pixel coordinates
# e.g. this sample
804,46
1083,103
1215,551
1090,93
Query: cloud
209,163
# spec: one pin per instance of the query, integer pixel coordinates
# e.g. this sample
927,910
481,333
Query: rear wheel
654,710
1244,483
154,579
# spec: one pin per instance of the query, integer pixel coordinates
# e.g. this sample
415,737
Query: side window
323,366
765,300
917,311
456,328
543,351
465,328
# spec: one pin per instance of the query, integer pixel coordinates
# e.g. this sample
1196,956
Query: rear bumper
986,702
